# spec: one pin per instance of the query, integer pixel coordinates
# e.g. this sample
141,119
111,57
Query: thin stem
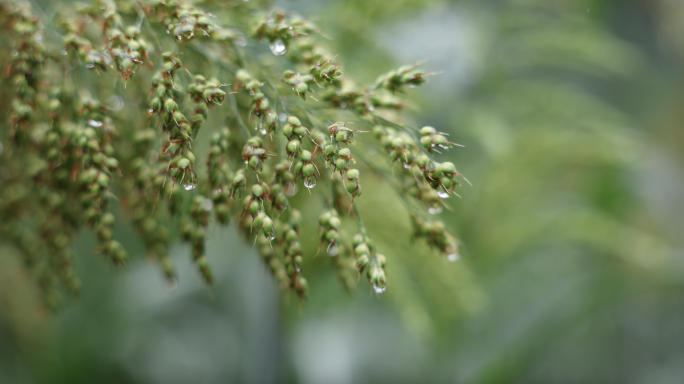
331,190
238,117
359,221
390,122
388,179
141,13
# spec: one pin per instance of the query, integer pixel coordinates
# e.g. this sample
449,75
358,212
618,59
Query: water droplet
333,251
406,166
217,191
241,41
207,204
282,117
115,102
39,37
150,111
90,65
371,108
443,194
443,146
94,123
263,131
292,189
378,289
278,48
14,53
452,257
64,52
272,236
343,105
435,210
310,183
189,186
412,85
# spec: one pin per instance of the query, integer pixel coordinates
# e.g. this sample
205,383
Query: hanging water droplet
278,48
452,257
435,210
272,236
282,117
64,52
207,204
94,123
189,186
371,108
310,183
90,65
333,251
406,166
150,111
14,52
378,289
443,194
241,41
343,105
263,131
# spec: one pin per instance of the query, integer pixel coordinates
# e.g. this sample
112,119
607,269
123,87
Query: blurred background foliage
572,268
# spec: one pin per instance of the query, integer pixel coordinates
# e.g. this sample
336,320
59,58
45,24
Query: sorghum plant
106,100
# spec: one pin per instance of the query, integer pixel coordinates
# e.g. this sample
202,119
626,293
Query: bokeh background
572,267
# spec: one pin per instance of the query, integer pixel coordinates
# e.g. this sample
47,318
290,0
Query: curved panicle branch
109,105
